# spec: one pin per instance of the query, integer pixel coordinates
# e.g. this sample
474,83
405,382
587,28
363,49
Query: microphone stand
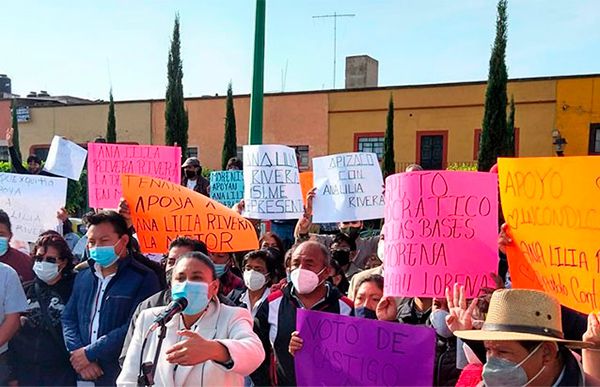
148,369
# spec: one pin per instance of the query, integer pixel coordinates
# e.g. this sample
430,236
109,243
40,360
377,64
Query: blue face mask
364,312
196,294
104,256
220,269
3,245
438,322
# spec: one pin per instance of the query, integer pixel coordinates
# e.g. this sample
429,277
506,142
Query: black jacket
37,352
17,164
282,304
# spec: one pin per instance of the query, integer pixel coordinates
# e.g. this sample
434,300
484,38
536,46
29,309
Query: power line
335,17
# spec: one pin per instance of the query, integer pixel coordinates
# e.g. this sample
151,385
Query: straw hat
522,315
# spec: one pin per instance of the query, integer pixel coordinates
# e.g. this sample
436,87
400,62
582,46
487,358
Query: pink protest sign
441,228
349,351
106,163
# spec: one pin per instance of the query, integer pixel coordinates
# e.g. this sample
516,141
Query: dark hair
373,278
235,162
53,239
192,244
108,216
67,227
266,257
5,220
287,258
278,240
344,284
202,258
343,238
34,158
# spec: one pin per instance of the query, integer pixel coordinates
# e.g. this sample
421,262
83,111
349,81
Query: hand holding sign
163,211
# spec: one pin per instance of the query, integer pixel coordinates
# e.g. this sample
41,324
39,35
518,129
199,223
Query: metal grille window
192,151
304,159
371,144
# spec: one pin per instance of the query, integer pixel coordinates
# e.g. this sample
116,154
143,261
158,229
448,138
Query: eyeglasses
41,258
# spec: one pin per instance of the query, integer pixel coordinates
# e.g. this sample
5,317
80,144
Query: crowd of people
92,320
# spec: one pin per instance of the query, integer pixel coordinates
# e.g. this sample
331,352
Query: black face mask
341,256
190,174
363,312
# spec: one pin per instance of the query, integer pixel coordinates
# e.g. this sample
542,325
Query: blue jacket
132,284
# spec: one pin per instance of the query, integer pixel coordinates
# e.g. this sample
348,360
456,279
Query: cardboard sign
108,161
348,351
551,207
271,183
441,228
65,158
31,202
163,211
349,187
227,187
306,183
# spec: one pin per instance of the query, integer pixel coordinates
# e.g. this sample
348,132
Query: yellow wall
455,108
577,105
83,123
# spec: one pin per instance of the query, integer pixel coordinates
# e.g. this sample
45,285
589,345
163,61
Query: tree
494,133
111,127
15,126
230,140
509,148
176,117
389,163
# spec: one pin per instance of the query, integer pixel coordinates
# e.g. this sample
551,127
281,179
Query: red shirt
19,261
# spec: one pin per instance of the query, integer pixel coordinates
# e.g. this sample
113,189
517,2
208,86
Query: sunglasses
41,258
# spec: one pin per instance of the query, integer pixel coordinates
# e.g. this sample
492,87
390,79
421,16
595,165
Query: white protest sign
349,187
31,202
271,183
65,158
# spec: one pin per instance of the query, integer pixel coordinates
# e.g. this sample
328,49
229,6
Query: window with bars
192,151
303,156
594,145
369,142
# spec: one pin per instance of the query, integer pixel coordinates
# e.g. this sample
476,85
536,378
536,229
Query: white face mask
254,280
305,281
380,249
46,271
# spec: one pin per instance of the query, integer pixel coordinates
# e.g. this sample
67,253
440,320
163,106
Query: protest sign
349,187
551,207
271,183
348,351
306,183
441,228
227,187
31,202
65,158
108,161
162,211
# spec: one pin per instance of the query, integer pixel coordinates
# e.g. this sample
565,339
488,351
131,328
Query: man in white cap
192,176
523,339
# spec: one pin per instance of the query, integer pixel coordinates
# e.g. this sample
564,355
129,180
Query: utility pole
258,74
335,17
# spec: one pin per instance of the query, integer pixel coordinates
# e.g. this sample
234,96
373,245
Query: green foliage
230,141
462,167
509,148
176,117
111,126
493,134
15,126
389,164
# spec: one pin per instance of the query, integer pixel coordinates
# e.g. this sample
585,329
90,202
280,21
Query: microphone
173,308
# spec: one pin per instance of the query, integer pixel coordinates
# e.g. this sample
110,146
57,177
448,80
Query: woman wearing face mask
208,343
368,295
228,281
38,354
258,271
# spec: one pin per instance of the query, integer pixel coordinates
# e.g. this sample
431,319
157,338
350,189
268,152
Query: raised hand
460,317
10,133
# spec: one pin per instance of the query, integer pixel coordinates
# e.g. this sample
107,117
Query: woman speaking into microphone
206,344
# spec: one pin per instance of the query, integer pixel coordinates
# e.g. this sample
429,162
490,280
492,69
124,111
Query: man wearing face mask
343,250
523,338
192,176
96,318
275,320
19,261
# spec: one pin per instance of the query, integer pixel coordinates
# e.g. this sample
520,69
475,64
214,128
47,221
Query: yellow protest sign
163,211
552,206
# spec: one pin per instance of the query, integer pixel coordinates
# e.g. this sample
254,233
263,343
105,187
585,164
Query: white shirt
102,284
191,184
246,300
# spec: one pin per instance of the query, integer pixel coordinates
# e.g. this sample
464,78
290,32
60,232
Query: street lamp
559,143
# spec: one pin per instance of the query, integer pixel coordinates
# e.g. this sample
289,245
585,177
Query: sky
82,48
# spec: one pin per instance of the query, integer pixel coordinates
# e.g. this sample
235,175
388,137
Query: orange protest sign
306,183
163,211
551,207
